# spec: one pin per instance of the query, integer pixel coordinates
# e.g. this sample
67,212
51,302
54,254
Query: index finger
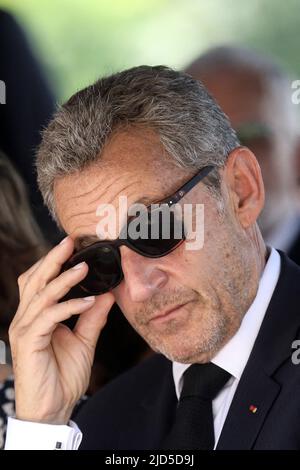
22,279
49,268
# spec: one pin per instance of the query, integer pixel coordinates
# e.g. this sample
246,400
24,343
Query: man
256,95
222,317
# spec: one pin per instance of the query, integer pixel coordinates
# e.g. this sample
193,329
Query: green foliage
80,40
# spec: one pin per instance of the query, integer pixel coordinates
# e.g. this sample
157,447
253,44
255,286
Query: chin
184,353
188,341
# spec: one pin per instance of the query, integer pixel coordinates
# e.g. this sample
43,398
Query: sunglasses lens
104,272
155,248
159,232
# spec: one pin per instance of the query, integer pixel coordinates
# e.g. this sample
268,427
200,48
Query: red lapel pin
253,408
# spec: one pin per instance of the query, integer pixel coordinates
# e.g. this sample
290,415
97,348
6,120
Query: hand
52,364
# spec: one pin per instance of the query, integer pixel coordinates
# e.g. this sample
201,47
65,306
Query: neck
259,249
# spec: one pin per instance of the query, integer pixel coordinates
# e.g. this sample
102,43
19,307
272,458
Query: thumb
91,322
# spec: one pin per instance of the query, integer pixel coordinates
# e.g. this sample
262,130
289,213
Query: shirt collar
234,355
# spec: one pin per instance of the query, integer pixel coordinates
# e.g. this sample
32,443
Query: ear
244,181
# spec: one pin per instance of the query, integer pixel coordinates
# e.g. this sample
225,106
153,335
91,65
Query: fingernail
79,265
91,298
64,240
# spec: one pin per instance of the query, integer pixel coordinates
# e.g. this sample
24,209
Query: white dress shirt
234,355
232,358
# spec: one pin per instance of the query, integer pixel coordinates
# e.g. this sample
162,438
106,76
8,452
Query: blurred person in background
21,244
29,106
255,93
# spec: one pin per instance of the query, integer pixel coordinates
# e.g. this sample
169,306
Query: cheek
187,267
209,263
122,298
119,295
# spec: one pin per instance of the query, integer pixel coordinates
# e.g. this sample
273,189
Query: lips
167,313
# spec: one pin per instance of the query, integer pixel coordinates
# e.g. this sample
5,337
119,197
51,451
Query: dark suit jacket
294,251
136,410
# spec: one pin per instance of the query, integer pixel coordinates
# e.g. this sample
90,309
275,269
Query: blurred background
77,40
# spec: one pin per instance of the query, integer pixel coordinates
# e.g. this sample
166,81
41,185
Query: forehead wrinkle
90,191
88,212
77,215
84,194
123,189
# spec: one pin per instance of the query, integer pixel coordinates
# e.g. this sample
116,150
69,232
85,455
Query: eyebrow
84,241
146,200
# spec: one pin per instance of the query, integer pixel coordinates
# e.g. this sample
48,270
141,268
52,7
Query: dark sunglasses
104,259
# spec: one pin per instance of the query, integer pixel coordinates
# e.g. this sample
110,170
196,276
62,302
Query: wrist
58,418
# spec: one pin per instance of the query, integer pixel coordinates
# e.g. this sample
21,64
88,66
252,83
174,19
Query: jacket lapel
257,387
252,402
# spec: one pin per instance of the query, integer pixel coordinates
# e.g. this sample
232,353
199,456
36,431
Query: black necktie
194,427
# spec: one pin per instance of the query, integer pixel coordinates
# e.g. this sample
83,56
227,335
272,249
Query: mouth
168,314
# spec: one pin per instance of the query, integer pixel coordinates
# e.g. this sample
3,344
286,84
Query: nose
142,277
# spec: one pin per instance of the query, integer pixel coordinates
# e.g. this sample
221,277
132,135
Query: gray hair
192,127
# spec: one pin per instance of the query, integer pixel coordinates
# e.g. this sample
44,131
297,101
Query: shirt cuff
26,435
